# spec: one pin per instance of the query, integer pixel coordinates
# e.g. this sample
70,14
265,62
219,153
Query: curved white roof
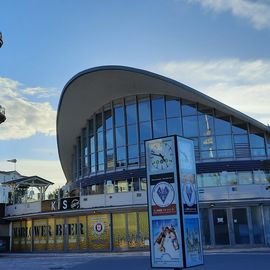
89,90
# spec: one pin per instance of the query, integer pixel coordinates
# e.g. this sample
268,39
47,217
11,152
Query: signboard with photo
173,203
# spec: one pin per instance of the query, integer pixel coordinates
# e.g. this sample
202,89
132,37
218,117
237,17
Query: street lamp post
1,40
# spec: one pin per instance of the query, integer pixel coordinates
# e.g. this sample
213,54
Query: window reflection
222,126
99,126
100,161
144,110
206,125
256,140
121,157
110,159
215,136
120,136
159,128
132,134
241,146
173,107
174,126
224,142
131,111
188,108
228,178
145,131
119,116
108,119
239,128
100,141
158,108
133,155
109,138
244,178
190,126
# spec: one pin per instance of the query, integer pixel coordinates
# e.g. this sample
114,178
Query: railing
23,208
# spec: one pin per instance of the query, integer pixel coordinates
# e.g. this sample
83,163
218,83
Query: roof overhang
28,181
89,90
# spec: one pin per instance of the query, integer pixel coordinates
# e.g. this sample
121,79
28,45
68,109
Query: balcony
23,209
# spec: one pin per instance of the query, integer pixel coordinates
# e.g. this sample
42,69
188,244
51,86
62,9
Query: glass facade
116,134
233,178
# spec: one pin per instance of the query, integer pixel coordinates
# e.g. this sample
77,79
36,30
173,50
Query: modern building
104,116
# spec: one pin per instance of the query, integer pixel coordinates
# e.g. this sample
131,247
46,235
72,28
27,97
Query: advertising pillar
172,203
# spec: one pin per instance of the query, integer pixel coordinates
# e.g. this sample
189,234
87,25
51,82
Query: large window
116,133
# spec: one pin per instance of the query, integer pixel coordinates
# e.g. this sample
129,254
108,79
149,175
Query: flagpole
13,161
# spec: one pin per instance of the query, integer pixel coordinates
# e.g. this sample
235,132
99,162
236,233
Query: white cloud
40,92
48,169
243,85
24,117
257,12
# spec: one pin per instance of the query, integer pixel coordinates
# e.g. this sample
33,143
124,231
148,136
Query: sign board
49,205
173,203
70,203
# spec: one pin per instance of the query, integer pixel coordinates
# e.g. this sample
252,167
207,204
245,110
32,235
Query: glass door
221,227
240,225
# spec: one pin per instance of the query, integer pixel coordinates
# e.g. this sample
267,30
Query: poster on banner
193,243
167,249
189,194
163,194
186,153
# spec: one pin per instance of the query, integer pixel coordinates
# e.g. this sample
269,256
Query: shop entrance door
240,225
221,230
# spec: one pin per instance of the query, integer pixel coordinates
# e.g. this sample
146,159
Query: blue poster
194,254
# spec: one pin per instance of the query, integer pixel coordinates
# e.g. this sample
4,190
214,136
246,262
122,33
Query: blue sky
219,47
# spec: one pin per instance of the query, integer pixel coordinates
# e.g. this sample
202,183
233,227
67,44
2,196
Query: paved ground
248,259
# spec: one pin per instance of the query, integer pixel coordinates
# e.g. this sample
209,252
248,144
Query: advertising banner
189,201
49,205
70,203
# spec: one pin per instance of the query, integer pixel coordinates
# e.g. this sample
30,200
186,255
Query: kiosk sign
172,201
